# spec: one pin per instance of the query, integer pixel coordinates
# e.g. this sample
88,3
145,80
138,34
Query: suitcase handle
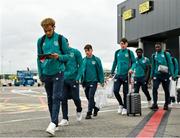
130,83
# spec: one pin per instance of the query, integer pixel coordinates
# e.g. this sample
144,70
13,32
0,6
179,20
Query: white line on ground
11,98
29,93
39,118
21,120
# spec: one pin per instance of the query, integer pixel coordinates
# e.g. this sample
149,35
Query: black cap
139,50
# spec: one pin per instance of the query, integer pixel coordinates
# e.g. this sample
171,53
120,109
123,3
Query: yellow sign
128,14
145,7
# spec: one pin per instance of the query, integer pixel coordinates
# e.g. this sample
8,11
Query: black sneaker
88,116
154,107
95,111
166,107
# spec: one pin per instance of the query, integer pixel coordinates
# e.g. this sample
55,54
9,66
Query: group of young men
62,69
161,67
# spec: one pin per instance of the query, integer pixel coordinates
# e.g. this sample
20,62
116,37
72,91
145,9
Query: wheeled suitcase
133,101
133,104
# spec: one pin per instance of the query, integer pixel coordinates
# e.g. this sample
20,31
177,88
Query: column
140,44
163,45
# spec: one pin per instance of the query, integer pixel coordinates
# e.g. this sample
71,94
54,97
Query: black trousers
140,82
164,79
118,81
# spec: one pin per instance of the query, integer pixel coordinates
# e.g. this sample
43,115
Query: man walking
92,73
71,85
162,69
141,70
175,71
123,60
50,49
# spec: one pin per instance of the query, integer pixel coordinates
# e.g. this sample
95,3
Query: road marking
43,103
11,98
5,100
140,125
21,120
152,125
163,124
39,118
30,119
29,92
18,108
14,108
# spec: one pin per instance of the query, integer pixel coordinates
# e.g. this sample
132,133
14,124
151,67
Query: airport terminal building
144,22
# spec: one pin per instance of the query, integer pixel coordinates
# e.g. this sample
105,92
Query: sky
81,21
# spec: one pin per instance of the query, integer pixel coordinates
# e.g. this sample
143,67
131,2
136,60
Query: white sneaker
79,116
120,109
64,122
51,129
124,111
170,105
149,104
57,128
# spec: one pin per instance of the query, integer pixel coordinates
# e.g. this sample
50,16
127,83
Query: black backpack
173,60
59,42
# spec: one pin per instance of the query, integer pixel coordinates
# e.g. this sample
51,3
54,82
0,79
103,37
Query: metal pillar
140,44
163,46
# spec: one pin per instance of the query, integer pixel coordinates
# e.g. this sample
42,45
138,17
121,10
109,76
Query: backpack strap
97,66
60,43
153,57
84,75
130,60
117,53
173,60
129,53
166,57
41,44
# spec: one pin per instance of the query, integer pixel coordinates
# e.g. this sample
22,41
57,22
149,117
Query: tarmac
24,113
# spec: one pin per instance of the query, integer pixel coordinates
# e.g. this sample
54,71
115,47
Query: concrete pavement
23,113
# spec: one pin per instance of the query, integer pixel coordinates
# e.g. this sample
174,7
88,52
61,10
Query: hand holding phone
48,56
44,56
54,55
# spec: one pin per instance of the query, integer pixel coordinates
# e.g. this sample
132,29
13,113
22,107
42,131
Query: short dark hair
139,49
158,43
88,47
124,40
